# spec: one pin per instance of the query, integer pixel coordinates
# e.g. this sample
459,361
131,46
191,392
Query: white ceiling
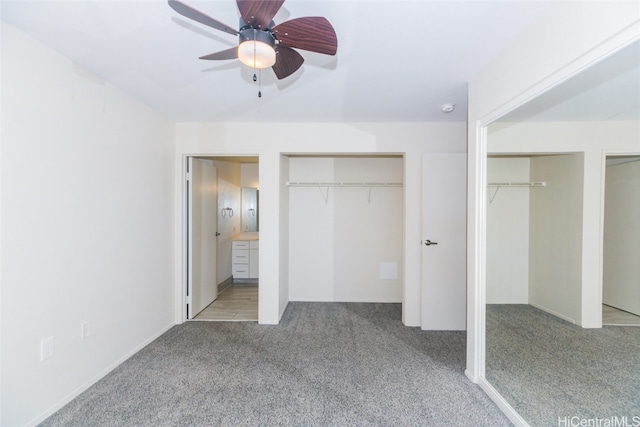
608,90
396,60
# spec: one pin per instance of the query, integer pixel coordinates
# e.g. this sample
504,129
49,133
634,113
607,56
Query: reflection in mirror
620,289
552,258
249,209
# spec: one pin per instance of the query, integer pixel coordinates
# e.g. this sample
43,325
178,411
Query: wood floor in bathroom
615,317
237,303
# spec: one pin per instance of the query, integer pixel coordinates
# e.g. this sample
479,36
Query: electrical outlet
46,348
85,330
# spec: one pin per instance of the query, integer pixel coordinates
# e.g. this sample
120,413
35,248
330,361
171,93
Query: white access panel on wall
444,212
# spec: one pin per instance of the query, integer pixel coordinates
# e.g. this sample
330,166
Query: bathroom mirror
249,207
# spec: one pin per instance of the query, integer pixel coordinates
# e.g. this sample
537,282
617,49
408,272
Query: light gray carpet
326,364
547,368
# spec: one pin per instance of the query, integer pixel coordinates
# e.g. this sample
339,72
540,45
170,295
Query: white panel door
444,210
202,283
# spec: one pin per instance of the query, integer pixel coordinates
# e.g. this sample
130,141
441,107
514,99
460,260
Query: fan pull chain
260,83
255,78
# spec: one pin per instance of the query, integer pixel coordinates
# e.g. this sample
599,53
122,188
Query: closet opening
346,228
534,232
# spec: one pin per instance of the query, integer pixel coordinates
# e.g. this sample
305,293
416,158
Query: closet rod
344,184
518,184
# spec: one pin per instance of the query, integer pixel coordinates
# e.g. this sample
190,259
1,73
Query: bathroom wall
229,178
249,175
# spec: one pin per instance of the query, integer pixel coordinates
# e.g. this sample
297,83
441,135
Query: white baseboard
46,414
222,286
510,302
504,406
561,316
284,307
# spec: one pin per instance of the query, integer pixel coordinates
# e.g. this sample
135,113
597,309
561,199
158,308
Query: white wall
412,139
351,246
569,37
87,227
555,255
621,270
508,231
284,231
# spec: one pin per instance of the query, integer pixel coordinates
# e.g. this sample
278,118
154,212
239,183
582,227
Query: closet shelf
517,184
344,184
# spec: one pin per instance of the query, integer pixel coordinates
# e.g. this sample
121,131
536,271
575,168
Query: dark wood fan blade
287,62
259,13
196,15
231,53
314,34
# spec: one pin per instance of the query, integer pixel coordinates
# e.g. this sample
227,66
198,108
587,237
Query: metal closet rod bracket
499,185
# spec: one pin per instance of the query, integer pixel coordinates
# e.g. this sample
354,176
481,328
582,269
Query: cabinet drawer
240,256
240,244
240,271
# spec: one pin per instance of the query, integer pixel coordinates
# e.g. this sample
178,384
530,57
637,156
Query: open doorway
232,228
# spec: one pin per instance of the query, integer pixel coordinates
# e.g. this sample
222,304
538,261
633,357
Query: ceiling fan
263,44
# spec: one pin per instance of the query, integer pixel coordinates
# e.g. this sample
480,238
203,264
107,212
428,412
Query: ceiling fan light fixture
257,49
264,44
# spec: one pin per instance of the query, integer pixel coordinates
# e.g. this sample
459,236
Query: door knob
429,243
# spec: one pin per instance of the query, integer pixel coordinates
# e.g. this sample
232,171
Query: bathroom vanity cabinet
244,259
